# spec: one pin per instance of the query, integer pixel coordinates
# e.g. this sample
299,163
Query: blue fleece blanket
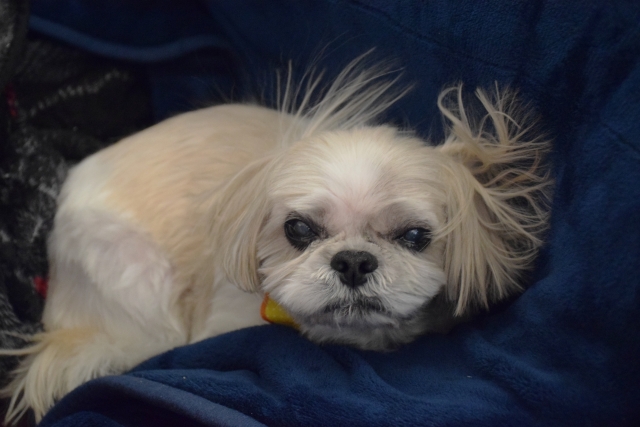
567,352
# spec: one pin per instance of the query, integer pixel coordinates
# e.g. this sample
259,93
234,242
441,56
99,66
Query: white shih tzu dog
362,232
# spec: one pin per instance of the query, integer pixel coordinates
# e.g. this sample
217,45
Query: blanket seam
152,53
619,138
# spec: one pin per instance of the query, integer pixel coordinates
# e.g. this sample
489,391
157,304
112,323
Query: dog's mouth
361,313
357,308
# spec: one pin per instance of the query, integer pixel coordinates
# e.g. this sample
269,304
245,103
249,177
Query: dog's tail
55,363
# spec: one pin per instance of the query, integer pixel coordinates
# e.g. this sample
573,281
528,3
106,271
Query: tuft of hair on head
357,96
499,200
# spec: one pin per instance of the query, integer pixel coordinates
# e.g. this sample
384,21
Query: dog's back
125,247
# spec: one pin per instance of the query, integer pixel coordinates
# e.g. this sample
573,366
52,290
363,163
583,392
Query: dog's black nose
354,266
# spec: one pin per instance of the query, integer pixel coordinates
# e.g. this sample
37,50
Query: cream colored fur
174,234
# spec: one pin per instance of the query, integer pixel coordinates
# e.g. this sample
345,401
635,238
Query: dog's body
125,204
362,233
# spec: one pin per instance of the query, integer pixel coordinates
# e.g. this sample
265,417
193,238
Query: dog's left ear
498,197
241,211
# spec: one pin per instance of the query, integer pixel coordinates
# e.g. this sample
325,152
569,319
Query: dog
364,233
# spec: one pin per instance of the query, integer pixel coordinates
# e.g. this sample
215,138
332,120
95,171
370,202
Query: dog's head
348,247
358,232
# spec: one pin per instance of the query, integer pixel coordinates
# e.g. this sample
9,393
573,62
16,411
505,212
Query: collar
272,312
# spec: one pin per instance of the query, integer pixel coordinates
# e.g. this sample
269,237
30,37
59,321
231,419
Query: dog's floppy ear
241,212
498,198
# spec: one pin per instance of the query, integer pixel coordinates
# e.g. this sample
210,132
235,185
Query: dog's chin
365,312
364,323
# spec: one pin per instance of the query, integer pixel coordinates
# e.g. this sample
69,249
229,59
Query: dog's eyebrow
403,216
407,225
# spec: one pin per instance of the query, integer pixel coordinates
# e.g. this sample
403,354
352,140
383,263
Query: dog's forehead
366,178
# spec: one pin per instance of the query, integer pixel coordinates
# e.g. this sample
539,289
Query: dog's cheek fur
409,280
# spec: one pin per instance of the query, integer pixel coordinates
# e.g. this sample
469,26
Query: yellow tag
273,313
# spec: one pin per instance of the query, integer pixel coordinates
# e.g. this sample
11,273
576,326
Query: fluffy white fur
174,234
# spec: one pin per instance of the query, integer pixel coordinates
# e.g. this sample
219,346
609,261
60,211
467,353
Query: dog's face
350,247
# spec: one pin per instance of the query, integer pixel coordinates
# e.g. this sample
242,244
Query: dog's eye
415,239
299,233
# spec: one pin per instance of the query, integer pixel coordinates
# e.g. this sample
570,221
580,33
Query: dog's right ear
241,211
499,187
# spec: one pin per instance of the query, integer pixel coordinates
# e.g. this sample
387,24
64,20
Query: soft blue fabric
566,352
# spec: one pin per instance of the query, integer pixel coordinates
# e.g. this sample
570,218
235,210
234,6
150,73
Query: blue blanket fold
566,352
